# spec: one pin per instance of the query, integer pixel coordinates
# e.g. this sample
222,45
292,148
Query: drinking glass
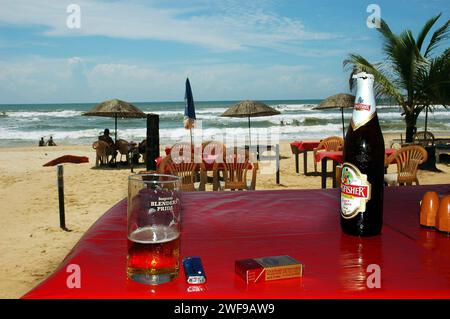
154,212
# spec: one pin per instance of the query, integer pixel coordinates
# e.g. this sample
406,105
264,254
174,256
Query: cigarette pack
268,268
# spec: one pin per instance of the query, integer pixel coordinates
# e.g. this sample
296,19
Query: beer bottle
362,178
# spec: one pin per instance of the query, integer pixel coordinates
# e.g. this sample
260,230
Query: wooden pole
62,213
249,133
152,149
115,129
277,161
426,118
343,125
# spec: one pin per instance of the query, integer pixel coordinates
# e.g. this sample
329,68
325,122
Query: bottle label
355,191
364,108
363,112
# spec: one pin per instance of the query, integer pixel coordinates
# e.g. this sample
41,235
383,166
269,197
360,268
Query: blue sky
230,49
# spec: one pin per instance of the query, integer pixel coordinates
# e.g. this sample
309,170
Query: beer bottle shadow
357,255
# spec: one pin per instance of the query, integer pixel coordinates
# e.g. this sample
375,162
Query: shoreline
388,137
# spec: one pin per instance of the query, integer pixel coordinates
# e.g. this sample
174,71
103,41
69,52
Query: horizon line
179,101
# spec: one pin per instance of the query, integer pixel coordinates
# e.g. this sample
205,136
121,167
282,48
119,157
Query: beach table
337,158
299,147
414,261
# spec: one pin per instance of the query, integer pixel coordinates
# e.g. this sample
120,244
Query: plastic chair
187,172
329,144
424,138
124,149
235,171
102,150
408,159
216,149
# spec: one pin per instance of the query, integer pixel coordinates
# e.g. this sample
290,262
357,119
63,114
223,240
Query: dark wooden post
152,149
334,174
324,172
277,161
305,162
62,216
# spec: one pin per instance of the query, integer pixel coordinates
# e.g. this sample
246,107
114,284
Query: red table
336,157
304,147
222,227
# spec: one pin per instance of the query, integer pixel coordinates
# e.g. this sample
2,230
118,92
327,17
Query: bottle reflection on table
356,255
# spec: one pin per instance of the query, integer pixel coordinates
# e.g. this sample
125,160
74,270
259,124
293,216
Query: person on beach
50,141
41,142
106,138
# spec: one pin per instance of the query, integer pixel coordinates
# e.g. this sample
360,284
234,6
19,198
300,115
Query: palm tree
412,73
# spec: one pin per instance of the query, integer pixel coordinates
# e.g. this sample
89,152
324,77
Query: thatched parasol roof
341,100
116,108
250,109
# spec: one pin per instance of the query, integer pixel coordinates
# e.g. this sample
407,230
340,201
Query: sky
142,51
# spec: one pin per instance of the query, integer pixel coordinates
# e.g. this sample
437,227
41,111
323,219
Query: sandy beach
33,245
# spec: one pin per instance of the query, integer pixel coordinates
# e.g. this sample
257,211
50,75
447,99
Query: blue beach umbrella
189,109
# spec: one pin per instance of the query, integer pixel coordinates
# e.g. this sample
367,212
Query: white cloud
33,79
220,25
44,80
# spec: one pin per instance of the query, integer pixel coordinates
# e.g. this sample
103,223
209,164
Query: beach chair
424,138
214,151
185,150
124,149
102,150
408,159
235,171
187,171
329,144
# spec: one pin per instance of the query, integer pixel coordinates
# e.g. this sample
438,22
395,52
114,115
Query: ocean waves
298,120
37,114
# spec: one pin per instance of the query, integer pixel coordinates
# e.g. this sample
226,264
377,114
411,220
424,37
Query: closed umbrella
250,109
189,110
117,109
341,100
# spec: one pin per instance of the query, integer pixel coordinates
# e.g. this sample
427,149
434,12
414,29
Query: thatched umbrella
250,109
117,109
341,100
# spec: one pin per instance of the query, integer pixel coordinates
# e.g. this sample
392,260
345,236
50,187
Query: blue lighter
193,270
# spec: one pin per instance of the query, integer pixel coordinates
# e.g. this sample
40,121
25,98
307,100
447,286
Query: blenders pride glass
154,211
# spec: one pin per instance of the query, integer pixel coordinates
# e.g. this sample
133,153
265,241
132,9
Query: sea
25,124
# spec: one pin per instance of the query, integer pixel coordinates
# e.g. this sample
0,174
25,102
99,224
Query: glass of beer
154,212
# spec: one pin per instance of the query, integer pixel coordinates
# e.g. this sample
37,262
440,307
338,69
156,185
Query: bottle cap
363,75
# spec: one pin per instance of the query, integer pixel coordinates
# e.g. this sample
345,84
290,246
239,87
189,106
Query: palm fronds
413,79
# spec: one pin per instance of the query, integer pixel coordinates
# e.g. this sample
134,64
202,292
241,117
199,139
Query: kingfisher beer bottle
362,178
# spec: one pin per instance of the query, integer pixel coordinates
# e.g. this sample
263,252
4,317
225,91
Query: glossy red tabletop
222,227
